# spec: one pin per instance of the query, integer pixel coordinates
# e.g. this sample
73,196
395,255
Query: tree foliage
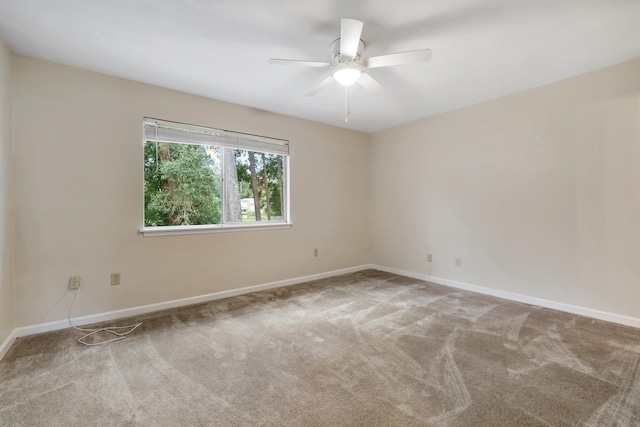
183,184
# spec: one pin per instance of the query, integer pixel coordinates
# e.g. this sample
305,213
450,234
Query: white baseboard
574,309
118,314
4,347
134,311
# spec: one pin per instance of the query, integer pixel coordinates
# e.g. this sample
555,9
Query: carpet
362,349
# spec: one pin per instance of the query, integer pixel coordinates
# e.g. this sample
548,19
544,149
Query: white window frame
224,139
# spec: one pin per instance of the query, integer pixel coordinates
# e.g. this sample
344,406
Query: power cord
109,329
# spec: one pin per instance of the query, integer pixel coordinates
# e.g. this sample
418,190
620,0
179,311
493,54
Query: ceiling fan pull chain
346,101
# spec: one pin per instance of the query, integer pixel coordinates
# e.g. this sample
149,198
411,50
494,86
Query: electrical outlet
315,252
429,258
115,279
458,262
74,282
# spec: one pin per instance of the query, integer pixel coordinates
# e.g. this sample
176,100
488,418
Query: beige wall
79,203
537,192
6,205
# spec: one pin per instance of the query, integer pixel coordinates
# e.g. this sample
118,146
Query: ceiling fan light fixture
347,76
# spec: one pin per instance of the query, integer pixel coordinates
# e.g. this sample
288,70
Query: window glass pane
182,184
255,187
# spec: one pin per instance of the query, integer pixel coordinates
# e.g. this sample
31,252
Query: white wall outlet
429,257
458,262
315,252
115,279
74,282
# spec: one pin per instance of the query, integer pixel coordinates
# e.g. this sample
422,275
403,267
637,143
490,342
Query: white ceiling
482,49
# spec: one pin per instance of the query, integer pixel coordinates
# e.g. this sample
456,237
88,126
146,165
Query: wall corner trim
573,309
134,311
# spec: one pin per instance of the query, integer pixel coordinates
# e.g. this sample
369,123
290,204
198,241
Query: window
200,179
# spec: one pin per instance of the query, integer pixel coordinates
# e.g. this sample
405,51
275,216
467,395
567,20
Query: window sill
204,229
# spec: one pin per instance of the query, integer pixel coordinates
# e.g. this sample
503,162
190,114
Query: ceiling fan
347,65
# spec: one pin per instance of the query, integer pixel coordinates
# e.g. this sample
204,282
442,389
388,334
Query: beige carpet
363,349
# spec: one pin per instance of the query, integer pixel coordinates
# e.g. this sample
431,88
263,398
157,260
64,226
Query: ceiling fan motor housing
334,48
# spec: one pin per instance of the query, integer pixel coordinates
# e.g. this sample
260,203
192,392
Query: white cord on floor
109,329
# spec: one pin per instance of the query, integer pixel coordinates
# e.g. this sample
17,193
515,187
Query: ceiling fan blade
317,64
350,31
370,84
317,88
411,57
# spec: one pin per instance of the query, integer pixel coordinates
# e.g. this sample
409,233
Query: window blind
163,131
